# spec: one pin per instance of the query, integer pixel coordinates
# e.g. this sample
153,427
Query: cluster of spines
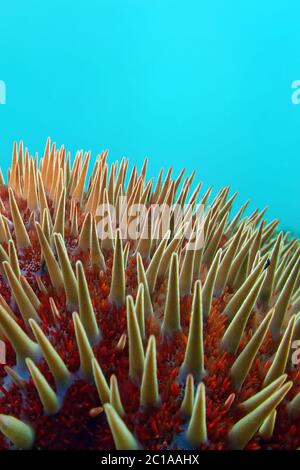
245,257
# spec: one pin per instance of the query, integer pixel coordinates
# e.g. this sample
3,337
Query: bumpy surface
171,347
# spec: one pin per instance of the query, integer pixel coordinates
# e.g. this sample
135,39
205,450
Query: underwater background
205,85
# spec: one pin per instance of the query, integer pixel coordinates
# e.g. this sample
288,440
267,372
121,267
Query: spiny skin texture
81,421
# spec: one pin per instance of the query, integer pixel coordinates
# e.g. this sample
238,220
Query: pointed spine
101,383
32,199
57,366
235,330
211,248
70,283
97,257
52,265
194,354
149,386
19,433
238,261
117,290
142,279
225,264
186,272
238,298
139,308
153,268
283,301
86,311
84,348
293,407
280,360
244,361
268,287
197,432
243,431
84,241
26,308
267,428
22,344
255,400
171,321
13,259
114,398
135,345
21,234
188,399
47,396
209,284
59,223
123,438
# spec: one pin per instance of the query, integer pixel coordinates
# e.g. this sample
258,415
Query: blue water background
205,85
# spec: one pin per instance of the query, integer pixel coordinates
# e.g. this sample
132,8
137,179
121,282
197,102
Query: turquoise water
205,85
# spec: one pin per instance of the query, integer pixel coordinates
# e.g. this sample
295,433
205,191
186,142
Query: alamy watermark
296,93
152,222
2,92
296,353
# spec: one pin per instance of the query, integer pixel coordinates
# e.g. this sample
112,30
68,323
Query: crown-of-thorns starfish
142,343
